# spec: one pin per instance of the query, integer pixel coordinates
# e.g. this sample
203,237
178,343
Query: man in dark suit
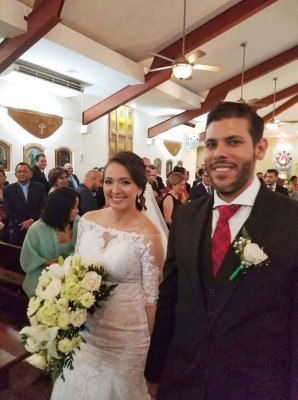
73,180
198,177
202,189
217,336
38,174
23,201
271,178
87,190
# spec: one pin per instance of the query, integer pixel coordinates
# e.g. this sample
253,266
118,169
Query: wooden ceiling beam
288,104
216,26
44,16
184,116
220,91
282,94
213,28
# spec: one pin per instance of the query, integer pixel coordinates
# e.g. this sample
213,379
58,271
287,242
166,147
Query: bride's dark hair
136,169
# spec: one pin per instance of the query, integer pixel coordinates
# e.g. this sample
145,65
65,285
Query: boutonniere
250,254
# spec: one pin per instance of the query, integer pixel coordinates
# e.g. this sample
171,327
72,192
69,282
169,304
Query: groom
216,338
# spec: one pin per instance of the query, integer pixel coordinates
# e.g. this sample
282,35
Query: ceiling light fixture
182,70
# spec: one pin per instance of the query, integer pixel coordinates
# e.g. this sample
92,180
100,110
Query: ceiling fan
252,102
273,124
182,66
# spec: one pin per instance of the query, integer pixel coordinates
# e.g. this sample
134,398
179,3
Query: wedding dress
110,365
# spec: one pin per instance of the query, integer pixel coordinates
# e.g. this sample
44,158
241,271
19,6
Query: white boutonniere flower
250,254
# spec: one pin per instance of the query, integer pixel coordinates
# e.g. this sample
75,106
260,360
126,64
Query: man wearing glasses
202,189
23,201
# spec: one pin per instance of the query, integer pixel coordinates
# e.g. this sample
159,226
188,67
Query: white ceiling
107,43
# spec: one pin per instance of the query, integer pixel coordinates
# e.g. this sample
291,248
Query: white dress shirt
246,199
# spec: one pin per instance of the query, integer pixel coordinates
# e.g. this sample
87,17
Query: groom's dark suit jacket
220,340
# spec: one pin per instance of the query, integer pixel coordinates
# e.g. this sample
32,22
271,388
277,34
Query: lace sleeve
79,235
152,262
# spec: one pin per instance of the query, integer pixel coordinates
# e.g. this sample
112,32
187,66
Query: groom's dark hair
230,109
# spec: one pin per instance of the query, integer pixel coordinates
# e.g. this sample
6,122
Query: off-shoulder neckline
107,229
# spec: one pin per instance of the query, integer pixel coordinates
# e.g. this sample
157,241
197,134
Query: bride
110,364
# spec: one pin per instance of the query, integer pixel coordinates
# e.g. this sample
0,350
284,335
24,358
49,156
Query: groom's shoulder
195,206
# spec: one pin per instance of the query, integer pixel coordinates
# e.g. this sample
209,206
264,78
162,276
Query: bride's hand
152,389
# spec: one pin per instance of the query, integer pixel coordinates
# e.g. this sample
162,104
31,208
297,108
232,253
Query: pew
13,300
13,307
12,351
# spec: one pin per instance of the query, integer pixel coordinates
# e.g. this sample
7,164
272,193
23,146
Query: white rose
254,254
37,360
52,290
91,281
77,318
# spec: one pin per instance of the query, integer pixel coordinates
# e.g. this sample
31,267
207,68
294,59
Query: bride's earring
138,200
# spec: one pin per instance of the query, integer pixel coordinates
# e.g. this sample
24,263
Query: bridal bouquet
66,292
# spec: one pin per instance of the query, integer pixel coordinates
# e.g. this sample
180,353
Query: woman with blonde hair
172,199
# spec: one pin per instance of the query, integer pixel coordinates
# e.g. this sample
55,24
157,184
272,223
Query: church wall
89,149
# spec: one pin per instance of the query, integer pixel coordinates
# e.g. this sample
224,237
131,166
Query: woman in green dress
54,234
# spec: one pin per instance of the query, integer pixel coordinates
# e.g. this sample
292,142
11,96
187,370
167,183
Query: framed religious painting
30,151
158,163
169,166
5,155
63,155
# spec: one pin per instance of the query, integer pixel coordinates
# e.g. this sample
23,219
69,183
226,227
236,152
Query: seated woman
54,234
58,177
172,199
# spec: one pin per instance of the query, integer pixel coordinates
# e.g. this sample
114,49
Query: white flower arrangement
251,255
66,292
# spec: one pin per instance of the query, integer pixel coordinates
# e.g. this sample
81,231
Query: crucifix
42,126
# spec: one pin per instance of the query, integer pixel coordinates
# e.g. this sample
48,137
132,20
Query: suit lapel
257,226
197,231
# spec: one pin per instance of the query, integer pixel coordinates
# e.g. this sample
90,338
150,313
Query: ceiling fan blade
255,103
213,68
160,68
161,56
195,55
288,122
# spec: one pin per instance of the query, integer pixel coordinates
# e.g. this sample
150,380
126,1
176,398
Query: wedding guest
172,199
73,180
293,192
58,177
271,180
152,209
38,174
54,234
23,200
87,190
221,332
123,239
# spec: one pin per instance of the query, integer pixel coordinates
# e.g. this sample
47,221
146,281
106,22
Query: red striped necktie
221,239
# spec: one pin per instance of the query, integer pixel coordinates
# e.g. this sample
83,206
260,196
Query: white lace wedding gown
110,365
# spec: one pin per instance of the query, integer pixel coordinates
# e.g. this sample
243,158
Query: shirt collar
246,198
24,186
